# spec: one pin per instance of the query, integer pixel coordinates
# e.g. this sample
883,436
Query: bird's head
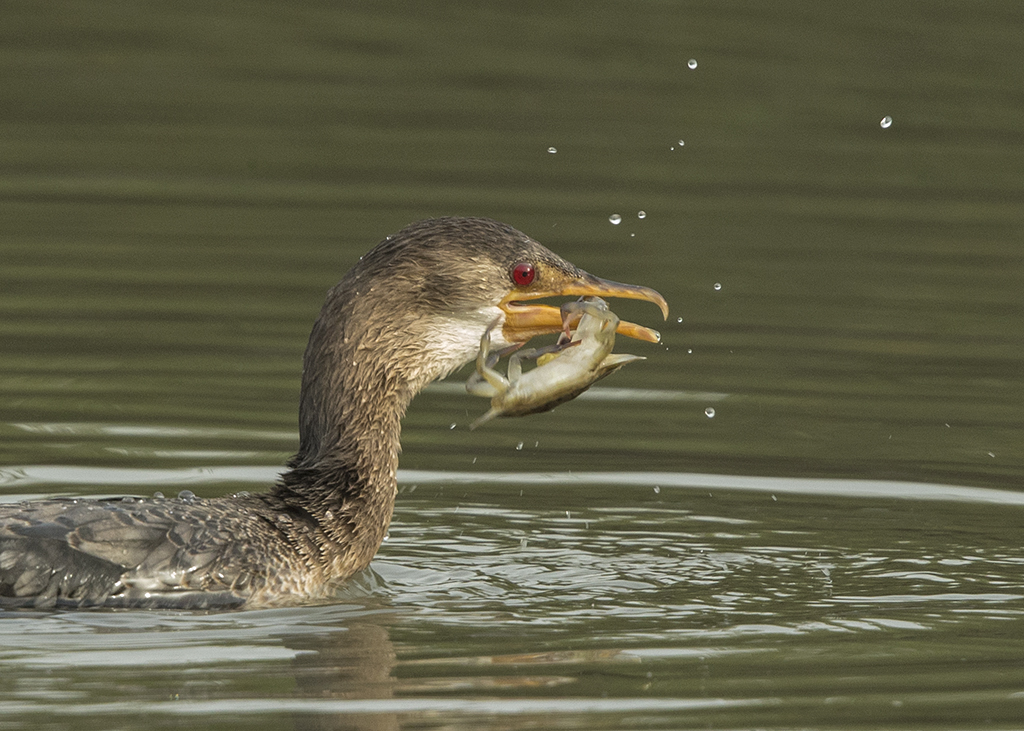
415,308
442,282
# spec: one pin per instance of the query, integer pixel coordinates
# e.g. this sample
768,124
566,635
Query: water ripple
56,475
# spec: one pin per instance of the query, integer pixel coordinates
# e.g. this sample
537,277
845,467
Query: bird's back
181,552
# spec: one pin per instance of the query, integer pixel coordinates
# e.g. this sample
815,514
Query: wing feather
135,552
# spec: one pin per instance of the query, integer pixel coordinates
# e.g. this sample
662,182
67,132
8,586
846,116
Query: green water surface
838,546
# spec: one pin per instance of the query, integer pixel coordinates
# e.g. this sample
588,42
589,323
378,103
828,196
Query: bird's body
411,311
157,552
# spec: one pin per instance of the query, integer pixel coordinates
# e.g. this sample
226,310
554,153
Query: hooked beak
524,321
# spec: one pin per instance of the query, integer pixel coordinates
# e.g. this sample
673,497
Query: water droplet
886,122
536,444
452,426
158,495
679,319
689,351
187,496
709,412
657,489
692,63
681,143
641,214
615,218
552,150
386,536
127,499
519,447
718,286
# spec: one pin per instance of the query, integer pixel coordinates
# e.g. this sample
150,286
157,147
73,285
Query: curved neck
354,394
352,402
367,356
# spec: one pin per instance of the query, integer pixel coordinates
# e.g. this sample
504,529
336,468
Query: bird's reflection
355,662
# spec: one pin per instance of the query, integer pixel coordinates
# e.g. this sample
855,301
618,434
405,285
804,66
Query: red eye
523,273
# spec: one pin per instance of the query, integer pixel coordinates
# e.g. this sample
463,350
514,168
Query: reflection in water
22,478
354,664
711,605
320,653
867,489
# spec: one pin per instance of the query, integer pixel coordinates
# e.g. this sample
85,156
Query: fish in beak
524,320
